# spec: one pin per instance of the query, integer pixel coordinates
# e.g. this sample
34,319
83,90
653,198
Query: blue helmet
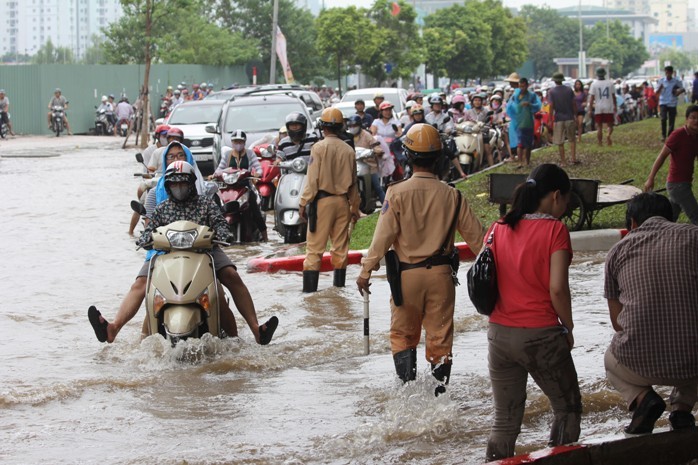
354,120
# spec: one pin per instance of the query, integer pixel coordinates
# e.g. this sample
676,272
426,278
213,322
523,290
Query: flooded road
311,396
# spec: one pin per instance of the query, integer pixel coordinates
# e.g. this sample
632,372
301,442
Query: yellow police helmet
331,117
422,140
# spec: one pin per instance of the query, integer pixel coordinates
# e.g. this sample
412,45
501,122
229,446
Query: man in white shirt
602,99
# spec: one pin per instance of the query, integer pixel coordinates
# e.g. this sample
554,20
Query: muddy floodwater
311,396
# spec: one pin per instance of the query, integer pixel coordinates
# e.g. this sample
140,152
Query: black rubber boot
442,373
310,280
340,277
406,365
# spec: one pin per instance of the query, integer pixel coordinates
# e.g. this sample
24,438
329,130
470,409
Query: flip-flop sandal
99,324
266,334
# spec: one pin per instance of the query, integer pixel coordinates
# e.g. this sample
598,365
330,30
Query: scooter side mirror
138,207
447,119
211,129
139,157
490,113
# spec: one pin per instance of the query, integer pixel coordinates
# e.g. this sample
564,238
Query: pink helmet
457,99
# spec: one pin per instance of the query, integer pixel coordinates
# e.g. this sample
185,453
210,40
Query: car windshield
368,97
265,117
195,114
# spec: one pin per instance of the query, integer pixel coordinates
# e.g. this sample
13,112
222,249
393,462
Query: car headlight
182,239
159,301
231,178
299,165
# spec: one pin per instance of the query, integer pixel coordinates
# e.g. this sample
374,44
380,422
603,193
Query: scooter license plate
202,157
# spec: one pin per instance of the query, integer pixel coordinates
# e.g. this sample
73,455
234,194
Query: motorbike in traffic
363,176
4,129
470,145
182,289
57,119
103,126
236,192
287,220
122,126
266,185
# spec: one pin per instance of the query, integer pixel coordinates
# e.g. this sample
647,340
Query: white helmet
104,98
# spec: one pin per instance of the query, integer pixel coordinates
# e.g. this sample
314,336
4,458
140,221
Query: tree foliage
549,35
392,40
339,37
253,18
614,42
181,33
467,41
681,61
50,54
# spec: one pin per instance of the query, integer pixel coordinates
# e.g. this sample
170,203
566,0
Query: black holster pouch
392,270
455,265
311,211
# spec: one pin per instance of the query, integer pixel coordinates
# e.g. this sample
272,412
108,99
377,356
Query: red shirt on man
683,146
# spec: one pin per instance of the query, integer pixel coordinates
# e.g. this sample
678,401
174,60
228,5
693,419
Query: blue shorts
525,136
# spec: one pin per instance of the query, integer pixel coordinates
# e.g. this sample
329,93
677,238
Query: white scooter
287,219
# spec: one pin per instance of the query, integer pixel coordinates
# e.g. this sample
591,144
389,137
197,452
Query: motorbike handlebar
222,243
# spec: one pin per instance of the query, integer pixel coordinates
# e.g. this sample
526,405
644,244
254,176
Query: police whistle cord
367,348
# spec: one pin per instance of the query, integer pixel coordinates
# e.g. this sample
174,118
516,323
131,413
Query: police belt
434,260
323,194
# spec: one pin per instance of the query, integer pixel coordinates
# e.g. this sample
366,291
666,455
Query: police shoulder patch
385,206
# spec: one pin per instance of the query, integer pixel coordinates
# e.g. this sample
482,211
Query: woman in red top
530,330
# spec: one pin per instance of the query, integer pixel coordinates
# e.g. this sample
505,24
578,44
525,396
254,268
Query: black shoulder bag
482,279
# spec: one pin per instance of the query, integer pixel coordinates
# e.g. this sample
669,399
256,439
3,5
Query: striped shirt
289,150
653,272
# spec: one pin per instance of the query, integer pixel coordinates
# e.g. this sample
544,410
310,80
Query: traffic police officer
417,221
331,186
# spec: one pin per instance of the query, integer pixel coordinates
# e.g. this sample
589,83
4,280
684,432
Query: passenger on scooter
364,139
179,199
283,132
160,140
457,110
499,118
387,131
124,112
173,135
240,157
5,111
437,117
417,117
298,143
478,114
108,109
59,100
366,119
378,99
406,116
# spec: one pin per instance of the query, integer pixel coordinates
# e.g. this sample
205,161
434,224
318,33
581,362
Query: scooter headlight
182,239
159,301
299,165
244,198
231,178
204,301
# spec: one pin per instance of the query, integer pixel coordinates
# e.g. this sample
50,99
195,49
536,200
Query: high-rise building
29,24
673,15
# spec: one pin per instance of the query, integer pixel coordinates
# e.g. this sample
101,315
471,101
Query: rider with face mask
245,159
478,114
182,201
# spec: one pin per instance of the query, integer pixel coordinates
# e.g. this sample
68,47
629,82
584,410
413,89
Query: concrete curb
582,241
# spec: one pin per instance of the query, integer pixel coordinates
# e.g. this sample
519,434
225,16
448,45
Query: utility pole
145,100
274,25
582,59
